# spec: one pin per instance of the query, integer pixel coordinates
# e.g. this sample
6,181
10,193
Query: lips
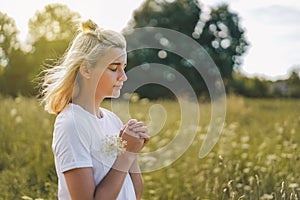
118,86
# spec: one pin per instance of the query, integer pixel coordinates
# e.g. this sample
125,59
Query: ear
85,70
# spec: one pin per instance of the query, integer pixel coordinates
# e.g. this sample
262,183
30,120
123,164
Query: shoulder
71,115
71,128
71,121
67,117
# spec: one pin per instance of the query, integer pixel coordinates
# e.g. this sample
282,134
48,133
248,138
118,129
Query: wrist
124,161
135,168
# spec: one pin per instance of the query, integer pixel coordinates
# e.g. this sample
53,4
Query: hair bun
89,25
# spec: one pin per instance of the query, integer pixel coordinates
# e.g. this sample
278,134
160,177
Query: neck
89,103
88,99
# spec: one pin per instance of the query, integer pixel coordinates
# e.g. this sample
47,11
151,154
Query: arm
137,179
81,183
114,180
135,172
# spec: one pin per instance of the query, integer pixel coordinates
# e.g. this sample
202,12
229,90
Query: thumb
122,130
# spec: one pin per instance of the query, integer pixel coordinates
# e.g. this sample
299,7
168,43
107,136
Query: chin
115,95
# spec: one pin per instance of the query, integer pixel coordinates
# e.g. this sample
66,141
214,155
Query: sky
272,27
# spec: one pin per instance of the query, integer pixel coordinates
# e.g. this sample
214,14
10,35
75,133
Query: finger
144,136
135,125
124,127
142,129
122,130
131,121
130,132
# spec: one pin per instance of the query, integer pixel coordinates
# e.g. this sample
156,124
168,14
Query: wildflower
293,185
245,139
26,197
134,98
13,112
267,196
113,145
18,120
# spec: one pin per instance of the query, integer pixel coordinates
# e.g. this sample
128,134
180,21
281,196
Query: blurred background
255,45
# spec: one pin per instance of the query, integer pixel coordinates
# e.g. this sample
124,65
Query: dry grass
256,157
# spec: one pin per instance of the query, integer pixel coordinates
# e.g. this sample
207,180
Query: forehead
117,54
112,55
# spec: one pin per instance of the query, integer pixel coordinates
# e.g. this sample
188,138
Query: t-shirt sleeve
71,144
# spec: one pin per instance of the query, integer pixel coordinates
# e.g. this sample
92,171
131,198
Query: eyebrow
117,63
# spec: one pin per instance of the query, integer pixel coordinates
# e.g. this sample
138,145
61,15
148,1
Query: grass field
256,157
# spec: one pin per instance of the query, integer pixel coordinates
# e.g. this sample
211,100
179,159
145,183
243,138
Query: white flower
113,145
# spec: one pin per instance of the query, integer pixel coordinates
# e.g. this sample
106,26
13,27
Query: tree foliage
221,36
50,32
181,16
224,39
8,38
250,87
54,22
258,87
294,83
12,69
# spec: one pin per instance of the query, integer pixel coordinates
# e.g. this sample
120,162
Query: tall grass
26,161
256,157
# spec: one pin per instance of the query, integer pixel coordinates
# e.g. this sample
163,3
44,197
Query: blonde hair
87,47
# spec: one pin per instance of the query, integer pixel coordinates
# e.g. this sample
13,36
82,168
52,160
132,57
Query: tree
11,70
8,39
14,80
224,39
294,83
252,87
50,32
14,64
54,22
181,16
222,28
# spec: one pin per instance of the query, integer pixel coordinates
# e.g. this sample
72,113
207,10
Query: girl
95,155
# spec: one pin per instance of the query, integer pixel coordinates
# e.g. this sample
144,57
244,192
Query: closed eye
114,69
114,66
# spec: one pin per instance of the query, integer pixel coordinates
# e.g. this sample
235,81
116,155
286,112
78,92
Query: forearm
137,179
112,182
114,179
138,184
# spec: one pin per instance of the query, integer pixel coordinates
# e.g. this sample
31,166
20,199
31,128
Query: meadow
256,157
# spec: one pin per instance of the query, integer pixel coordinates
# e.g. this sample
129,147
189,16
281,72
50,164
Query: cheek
106,80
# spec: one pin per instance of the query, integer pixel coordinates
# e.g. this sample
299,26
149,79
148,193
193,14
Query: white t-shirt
78,142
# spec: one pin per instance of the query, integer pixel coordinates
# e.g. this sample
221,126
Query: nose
122,76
